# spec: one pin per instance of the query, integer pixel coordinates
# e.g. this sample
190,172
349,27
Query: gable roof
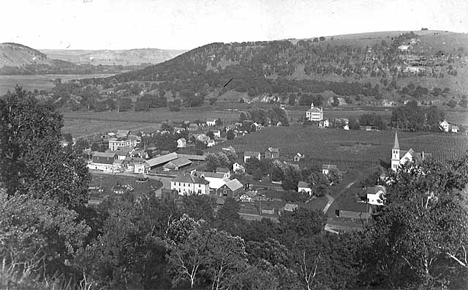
303,184
161,159
192,157
234,184
251,153
189,178
375,189
273,150
104,154
179,162
329,166
222,170
230,148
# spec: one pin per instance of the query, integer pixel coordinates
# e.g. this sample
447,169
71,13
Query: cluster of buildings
448,128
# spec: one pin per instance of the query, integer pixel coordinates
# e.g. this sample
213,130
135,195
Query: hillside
17,55
113,57
369,69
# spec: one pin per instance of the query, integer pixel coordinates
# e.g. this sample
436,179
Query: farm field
38,82
347,147
88,123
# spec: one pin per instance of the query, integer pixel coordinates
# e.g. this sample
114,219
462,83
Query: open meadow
347,147
38,82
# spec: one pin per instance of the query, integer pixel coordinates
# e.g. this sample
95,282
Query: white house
314,114
211,122
250,154
327,167
444,125
304,187
376,195
181,143
103,161
187,184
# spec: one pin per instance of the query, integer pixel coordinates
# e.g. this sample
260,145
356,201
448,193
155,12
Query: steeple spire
396,145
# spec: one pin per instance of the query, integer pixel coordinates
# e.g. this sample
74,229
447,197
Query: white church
401,157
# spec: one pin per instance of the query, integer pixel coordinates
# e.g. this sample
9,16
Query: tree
353,124
32,159
68,137
210,134
335,176
230,135
218,122
212,162
420,237
318,183
452,104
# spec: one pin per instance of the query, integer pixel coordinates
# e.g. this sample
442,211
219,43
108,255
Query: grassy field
108,181
347,147
37,82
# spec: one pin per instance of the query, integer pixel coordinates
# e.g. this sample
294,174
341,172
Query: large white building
314,114
188,184
115,143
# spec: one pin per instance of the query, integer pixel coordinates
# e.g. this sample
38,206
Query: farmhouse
225,171
217,133
401,157
304,187
250,154
291,207
187,184
272,153
314,114
375,195
216,180
444,125
327,167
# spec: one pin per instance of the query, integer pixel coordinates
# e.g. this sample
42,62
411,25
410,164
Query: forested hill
419,64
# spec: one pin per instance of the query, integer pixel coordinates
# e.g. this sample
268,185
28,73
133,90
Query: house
248,196
188,184
324,123
304,187
314,114
216,180
176,164
454,129
375,195
298,157
211,122
103,161
327,167
224,170
291,207
181,143
115,143
123,152
250,154
217,133
401,157
133,165
444,126
178,129
272,153
236,167
202,138
355,210
210,143
232,188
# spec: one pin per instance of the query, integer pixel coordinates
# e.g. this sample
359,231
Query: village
186,168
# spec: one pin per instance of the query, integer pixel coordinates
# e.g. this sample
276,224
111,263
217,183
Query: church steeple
396,145
395,154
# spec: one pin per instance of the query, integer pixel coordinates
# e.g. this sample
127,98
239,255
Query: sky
187,24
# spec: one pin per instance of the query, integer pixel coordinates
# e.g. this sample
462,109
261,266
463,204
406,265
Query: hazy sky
186,24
